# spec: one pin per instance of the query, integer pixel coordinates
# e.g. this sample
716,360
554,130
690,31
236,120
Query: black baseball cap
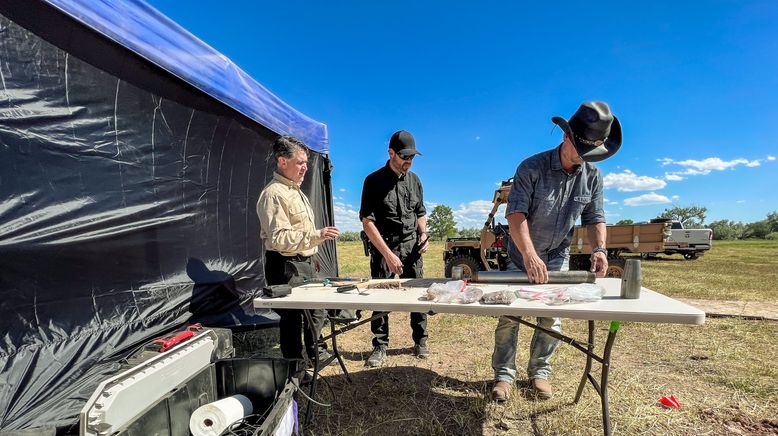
402,142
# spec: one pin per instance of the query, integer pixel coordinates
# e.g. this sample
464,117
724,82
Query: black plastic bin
264,381
261,380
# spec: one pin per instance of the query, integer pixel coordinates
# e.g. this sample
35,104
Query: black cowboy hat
594,131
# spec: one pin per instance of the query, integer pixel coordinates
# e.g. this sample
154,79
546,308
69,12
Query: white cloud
673,177
646,199
706,166
676,197
473,214
477,138
628,181
346,217
740,201
770,157
342,190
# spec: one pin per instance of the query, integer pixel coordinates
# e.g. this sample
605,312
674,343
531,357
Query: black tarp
127,208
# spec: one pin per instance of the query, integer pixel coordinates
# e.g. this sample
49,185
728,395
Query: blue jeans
542,346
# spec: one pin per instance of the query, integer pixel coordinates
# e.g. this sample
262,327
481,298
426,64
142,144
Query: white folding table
651,307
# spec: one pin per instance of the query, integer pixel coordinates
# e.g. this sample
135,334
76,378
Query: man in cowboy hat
550,191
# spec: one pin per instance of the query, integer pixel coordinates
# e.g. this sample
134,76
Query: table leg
312,389
314,379
588,368
606,357
605,360
334,336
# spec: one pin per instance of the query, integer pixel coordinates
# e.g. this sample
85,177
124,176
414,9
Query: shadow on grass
356,357
399,400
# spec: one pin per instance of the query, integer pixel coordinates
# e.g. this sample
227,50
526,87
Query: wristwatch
602,250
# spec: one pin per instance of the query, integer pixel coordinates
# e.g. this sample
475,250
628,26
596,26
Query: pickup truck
691,243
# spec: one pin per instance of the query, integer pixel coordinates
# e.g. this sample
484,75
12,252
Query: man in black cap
395,220
550,191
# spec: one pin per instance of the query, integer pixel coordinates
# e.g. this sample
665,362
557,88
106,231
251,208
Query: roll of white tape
213,418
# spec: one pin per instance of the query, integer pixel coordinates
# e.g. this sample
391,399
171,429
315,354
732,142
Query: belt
398,239
296,257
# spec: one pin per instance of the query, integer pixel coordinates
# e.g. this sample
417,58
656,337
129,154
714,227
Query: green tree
690,217
625,222
727,229
440,223
772,221
757,230
349,236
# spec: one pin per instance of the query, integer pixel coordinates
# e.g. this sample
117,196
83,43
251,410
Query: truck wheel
645,256
470,266
615,268
690,256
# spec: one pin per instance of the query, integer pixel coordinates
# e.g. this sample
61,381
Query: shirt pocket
410,204
547,201
297,216
579,202
390,203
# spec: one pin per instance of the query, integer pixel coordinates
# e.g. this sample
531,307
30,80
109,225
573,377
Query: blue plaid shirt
553,200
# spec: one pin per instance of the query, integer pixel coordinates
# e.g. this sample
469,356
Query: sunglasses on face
406,157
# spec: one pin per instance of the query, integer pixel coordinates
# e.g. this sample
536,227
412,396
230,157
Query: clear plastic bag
469,295
445,292
499,297
583,293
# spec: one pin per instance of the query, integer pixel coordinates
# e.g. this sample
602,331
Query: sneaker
501,391
421,351
323,356
377,357
542,388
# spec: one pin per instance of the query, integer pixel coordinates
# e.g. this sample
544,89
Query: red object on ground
670,402
168,343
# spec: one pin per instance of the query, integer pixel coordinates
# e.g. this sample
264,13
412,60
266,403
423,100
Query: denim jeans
542,346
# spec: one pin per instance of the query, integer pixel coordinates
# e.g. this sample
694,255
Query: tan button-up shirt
286,219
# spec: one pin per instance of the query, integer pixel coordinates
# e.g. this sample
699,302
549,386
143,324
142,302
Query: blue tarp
150,34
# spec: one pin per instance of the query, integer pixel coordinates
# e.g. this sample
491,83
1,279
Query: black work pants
293,323
413,267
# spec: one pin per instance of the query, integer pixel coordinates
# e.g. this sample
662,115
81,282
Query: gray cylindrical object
632,279
563,277
457,272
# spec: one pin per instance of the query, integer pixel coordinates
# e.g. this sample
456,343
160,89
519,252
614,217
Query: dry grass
725,373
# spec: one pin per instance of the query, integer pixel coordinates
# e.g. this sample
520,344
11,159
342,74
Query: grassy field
725,373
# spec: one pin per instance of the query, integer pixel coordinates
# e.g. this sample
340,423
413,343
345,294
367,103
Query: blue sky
695,85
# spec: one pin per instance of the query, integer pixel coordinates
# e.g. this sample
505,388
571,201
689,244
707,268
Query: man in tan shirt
291,238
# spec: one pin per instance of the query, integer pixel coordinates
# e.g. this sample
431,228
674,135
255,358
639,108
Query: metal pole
562,277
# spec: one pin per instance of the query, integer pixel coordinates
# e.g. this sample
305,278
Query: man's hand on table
536,269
